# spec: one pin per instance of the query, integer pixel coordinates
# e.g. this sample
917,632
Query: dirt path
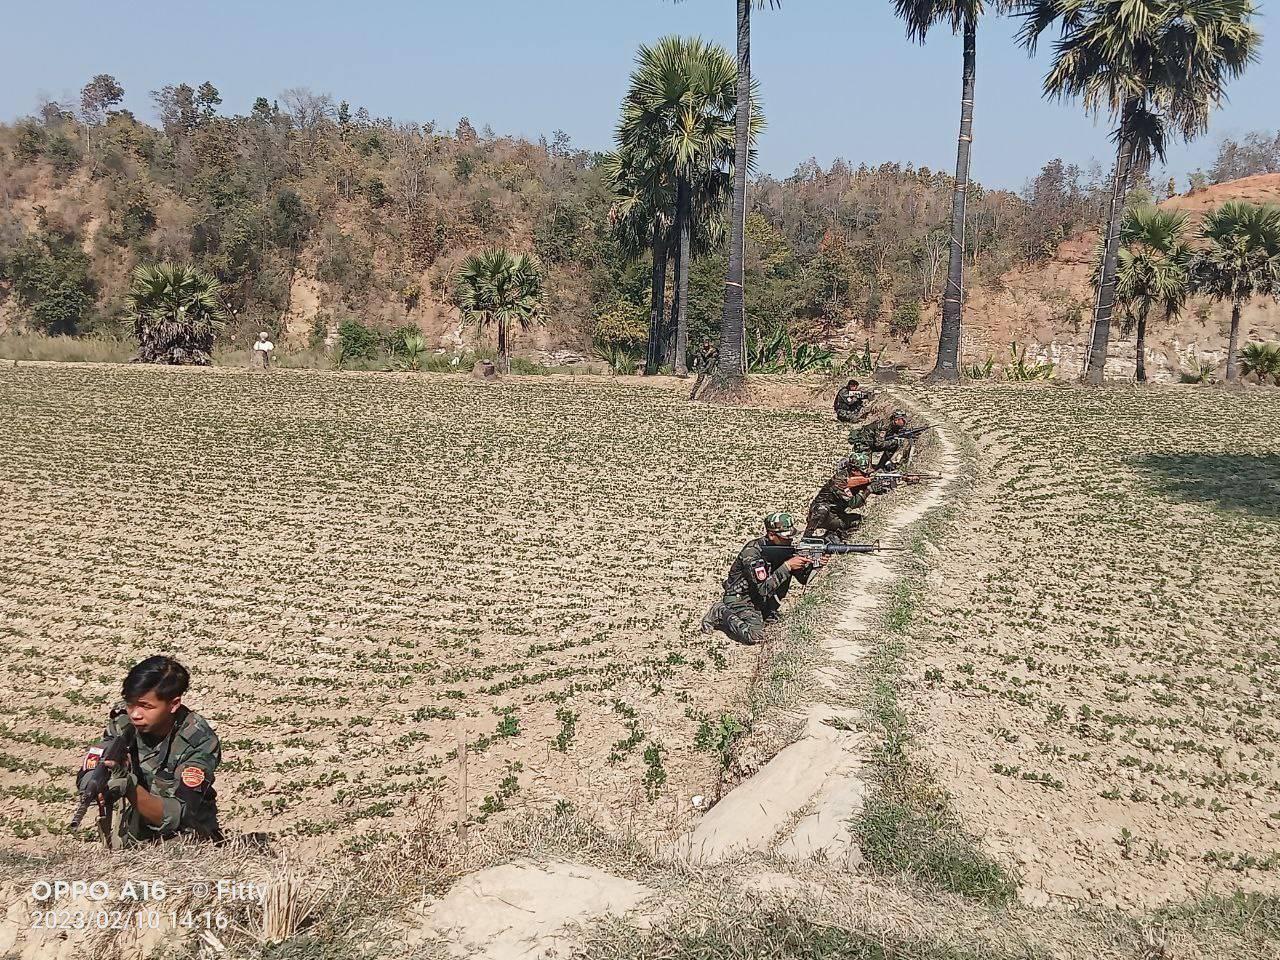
801,803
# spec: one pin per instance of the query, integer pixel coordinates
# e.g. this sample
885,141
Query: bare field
1096,661
356,568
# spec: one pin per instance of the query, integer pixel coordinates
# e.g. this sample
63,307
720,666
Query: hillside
1047,306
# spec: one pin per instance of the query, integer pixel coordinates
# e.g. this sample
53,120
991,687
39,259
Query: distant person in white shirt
262,348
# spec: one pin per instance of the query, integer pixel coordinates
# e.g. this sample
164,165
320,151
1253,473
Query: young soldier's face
150,714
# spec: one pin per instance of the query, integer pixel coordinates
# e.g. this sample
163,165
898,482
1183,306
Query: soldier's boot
713,619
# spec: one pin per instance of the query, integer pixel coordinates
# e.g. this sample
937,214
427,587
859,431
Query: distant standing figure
262,348
704,361
850,401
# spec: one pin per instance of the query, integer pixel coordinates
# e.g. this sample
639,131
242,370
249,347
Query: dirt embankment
1047,306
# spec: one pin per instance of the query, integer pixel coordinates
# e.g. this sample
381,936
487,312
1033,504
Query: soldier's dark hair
165,675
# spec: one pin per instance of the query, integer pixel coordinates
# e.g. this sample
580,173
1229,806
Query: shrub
906,319
356,341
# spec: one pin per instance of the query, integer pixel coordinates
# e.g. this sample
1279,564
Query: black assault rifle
892,478
93,784
813,549
909,433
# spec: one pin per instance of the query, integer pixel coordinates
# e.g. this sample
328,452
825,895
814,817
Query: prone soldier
757,583
165,779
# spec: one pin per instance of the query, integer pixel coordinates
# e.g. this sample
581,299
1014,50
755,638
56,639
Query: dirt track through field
803,802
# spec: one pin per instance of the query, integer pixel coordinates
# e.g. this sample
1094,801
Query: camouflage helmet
855,461
900,414
781,523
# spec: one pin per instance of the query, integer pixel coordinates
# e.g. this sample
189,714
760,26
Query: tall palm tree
177,313
733,325
1240,260
962,16
1152,269
680,108
640,217
499,287
1151,65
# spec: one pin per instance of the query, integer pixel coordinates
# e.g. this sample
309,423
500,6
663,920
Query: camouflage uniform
753,592
849,403
178,768
704,361
836,510
877,437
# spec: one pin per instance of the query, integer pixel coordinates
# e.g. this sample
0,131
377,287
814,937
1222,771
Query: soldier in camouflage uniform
850,401
167,782
879,437
704,362
836,510
757,583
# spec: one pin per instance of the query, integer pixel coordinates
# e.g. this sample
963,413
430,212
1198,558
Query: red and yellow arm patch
192,777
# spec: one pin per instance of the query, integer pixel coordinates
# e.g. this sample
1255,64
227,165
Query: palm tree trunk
1141,371
657,300
684,201
1233,341
673,320
504,360
733,329
1106,295
948,364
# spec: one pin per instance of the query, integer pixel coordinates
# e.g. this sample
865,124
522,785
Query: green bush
623,322
356,341
50,275
906,319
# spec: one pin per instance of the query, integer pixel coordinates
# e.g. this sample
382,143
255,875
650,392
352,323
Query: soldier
757,584
835,511
850,401
880,437
704,361
167,781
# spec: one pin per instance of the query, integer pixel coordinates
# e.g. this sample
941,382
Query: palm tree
499,287
641,219
1240,260
1152,269
1151,65
678,118
176,313
962,15
733,325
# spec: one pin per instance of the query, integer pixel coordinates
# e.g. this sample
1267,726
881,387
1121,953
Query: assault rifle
93,783
893,478
813,549
909,433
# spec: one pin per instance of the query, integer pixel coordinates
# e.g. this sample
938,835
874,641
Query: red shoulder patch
193,777
92,757
761,570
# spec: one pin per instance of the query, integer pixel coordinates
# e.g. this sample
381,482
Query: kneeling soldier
166,782
881,437
837,509
757,583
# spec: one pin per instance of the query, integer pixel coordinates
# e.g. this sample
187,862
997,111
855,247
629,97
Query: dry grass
88,349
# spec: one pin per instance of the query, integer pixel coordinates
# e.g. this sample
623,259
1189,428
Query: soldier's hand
798,563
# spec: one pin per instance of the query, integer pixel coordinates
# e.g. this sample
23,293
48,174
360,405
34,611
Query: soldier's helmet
853,384
856,461
898,415
780,523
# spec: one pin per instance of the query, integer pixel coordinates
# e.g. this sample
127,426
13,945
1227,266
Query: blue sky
838,78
